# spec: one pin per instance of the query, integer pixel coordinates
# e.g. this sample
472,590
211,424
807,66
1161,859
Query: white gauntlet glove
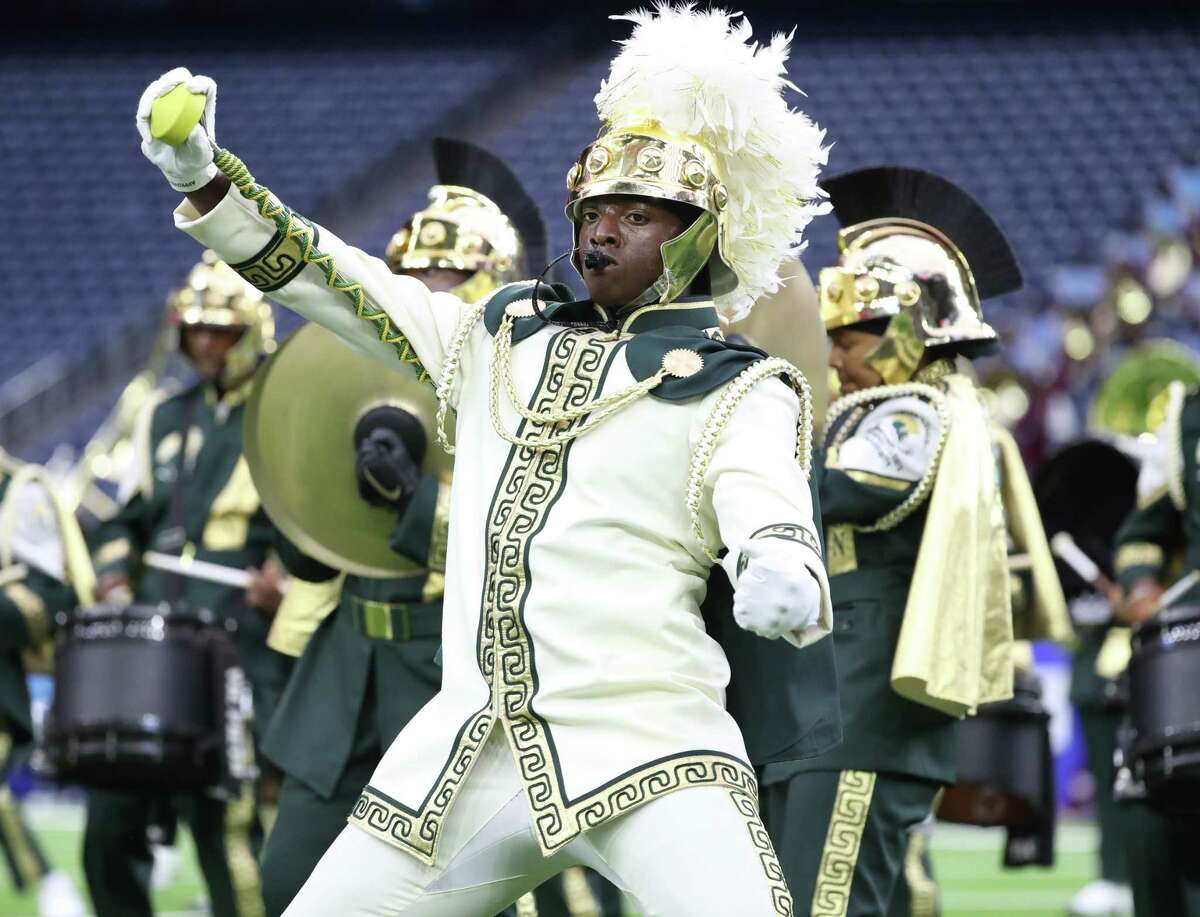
776,594
190,165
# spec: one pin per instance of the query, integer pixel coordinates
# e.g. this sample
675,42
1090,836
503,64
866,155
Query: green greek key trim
279,263
293,227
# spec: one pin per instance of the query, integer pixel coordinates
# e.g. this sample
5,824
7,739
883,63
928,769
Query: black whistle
593,260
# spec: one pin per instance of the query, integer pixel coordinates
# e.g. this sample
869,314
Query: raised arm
297,263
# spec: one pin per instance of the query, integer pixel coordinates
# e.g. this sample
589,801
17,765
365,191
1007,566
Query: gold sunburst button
682,363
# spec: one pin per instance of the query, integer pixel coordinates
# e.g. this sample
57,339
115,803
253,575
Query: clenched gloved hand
189,166
386,469
775,593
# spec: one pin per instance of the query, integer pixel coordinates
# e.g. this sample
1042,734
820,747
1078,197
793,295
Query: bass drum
1006,774
1164,707
147,697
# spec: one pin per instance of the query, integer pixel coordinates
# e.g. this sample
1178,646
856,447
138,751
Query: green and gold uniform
195,498
881,781
366,669
1164,869
915,538
29,599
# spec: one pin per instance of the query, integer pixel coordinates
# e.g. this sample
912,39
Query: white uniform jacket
574,574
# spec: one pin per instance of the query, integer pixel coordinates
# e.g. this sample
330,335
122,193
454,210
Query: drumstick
197,569
1072,555
1175,593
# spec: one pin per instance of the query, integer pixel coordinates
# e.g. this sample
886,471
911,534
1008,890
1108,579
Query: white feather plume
699,74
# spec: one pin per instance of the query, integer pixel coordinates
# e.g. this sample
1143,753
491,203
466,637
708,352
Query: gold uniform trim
922,889
279,262
229,518
439,545
1138,554
239,856
33,610
842,556
878,480
26,866
781,897
576,363
847,823
296,229
112,551
417,831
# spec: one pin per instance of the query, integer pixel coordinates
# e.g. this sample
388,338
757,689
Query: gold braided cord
450,364
292,227
924,486
597,411
730,398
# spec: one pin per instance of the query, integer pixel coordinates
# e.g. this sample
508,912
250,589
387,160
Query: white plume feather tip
699,74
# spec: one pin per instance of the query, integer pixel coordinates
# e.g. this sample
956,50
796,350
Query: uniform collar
690,311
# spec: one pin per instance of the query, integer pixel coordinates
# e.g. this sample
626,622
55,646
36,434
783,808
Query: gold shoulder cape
1051,620
955,647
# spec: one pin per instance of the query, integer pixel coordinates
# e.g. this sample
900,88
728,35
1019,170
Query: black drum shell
137,701
1164,707
1002,763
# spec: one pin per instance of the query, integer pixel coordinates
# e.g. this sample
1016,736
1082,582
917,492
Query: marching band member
194,499
367,645
34,587
914,530
613,449
1164,871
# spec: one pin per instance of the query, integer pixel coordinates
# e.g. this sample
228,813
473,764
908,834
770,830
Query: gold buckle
377,620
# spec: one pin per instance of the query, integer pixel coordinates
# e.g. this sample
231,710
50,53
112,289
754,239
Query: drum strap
175,505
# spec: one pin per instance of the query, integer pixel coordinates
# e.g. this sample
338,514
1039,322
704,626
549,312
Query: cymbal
299,444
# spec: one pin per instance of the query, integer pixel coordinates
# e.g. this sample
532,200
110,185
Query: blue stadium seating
86,218
1062,132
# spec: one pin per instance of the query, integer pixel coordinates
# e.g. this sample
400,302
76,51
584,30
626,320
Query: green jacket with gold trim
215,516
1165,526
373,656
28,604
873,460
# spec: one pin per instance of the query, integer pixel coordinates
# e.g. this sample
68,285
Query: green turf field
966,860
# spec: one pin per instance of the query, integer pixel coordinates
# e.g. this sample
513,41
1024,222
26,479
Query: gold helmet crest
920,253
479,220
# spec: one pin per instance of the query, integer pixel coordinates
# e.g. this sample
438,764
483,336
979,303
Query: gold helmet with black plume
215,296
479,220
918,256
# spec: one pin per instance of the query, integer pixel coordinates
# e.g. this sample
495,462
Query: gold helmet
918,253
479,220
694,112
216,296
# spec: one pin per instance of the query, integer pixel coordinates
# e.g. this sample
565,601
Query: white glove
190,165
776,594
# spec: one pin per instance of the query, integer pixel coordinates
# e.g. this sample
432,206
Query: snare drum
1006,774
1164,707
147,697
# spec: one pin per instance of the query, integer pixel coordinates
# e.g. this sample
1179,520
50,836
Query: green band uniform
1164,871
218,519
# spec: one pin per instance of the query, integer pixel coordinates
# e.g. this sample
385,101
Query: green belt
397,621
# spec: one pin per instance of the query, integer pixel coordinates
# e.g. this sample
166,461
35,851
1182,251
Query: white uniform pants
696,852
